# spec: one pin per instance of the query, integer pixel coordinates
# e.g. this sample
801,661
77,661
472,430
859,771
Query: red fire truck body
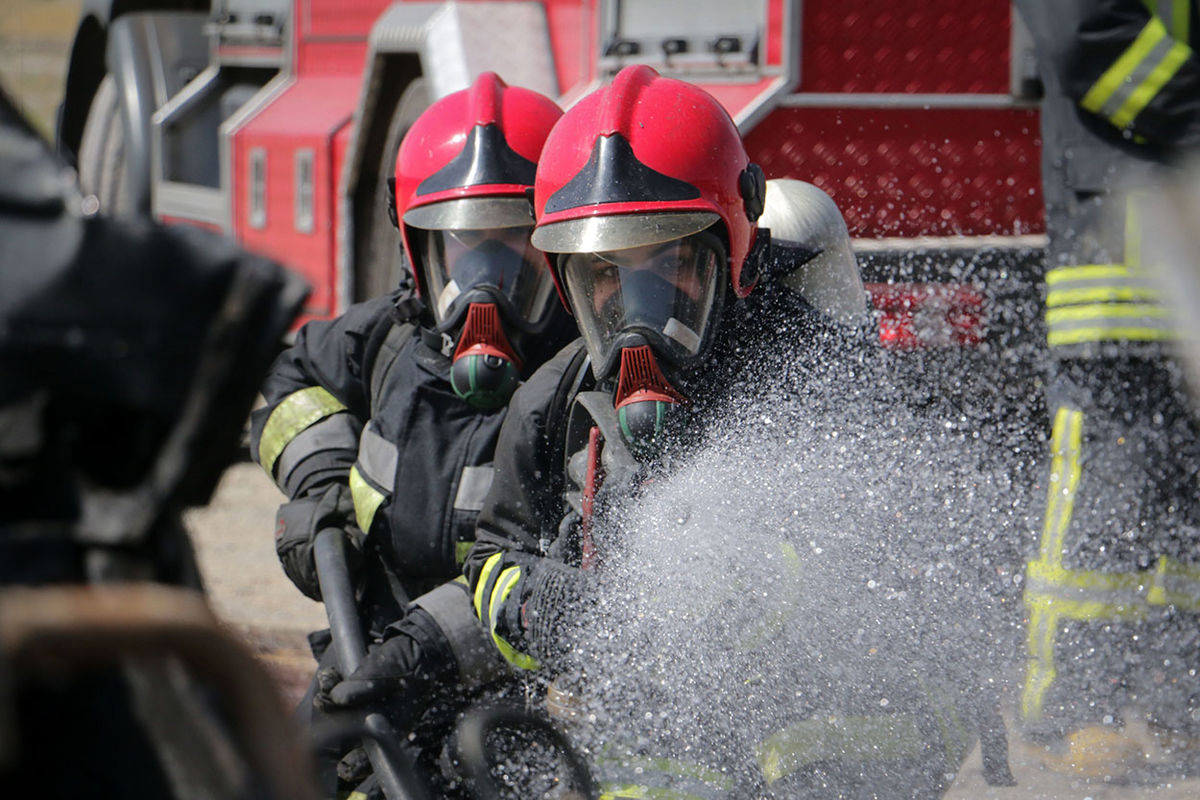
916,116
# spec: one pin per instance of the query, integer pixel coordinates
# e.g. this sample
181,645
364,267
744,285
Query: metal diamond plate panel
912,172
911,46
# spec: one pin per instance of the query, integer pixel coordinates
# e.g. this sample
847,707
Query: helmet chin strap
643,398
485,369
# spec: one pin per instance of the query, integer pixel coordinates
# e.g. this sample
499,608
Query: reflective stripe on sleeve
1099,302
377,459
473,486
295,413
504,585
483,587
1137,75
367,500
335,432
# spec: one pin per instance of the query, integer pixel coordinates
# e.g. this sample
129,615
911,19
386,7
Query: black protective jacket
365,400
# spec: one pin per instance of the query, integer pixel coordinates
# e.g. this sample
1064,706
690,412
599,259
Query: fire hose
397,776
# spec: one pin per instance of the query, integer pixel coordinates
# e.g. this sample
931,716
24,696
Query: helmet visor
666,292
500,260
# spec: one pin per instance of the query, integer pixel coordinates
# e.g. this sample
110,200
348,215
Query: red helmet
462,176
465,166
643,161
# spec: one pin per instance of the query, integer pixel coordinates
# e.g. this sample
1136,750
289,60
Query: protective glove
398,676
354,767
297,524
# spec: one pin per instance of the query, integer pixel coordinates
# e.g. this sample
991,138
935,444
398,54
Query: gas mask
489,289
647,316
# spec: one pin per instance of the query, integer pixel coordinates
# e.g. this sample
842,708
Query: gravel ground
246,585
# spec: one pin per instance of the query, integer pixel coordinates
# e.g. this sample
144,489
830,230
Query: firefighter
382,422
1113,589
650,206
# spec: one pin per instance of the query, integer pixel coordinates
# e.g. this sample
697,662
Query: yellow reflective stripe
1088,594
1110,82
666,766
294,414
481,584
1100,294
1065,471
626,791
1114,594
879,738
1101,334
504,584
1086,272
460,551
1055,316
367,500
1158,593
1114,84
1040,672
1166,572
1093,596
1175,58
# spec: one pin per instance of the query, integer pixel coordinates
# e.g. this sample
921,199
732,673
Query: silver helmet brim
619,231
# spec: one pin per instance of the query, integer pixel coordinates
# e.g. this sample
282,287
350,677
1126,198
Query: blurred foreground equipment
129,357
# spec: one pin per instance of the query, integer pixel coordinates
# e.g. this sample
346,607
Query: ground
245,584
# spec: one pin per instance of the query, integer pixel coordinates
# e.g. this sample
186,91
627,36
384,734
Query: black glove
399,675
297,524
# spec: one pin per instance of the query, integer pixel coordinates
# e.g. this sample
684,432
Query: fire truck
277,122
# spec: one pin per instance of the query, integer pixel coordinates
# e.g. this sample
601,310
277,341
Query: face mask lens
501,260
664,291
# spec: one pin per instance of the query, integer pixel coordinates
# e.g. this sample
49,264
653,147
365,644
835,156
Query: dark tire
102,152
382,266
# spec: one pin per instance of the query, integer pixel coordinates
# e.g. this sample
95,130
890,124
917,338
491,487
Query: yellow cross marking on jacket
1054,593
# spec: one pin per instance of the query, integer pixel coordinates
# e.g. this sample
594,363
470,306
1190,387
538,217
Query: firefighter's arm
516,592
1129,67
306,435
